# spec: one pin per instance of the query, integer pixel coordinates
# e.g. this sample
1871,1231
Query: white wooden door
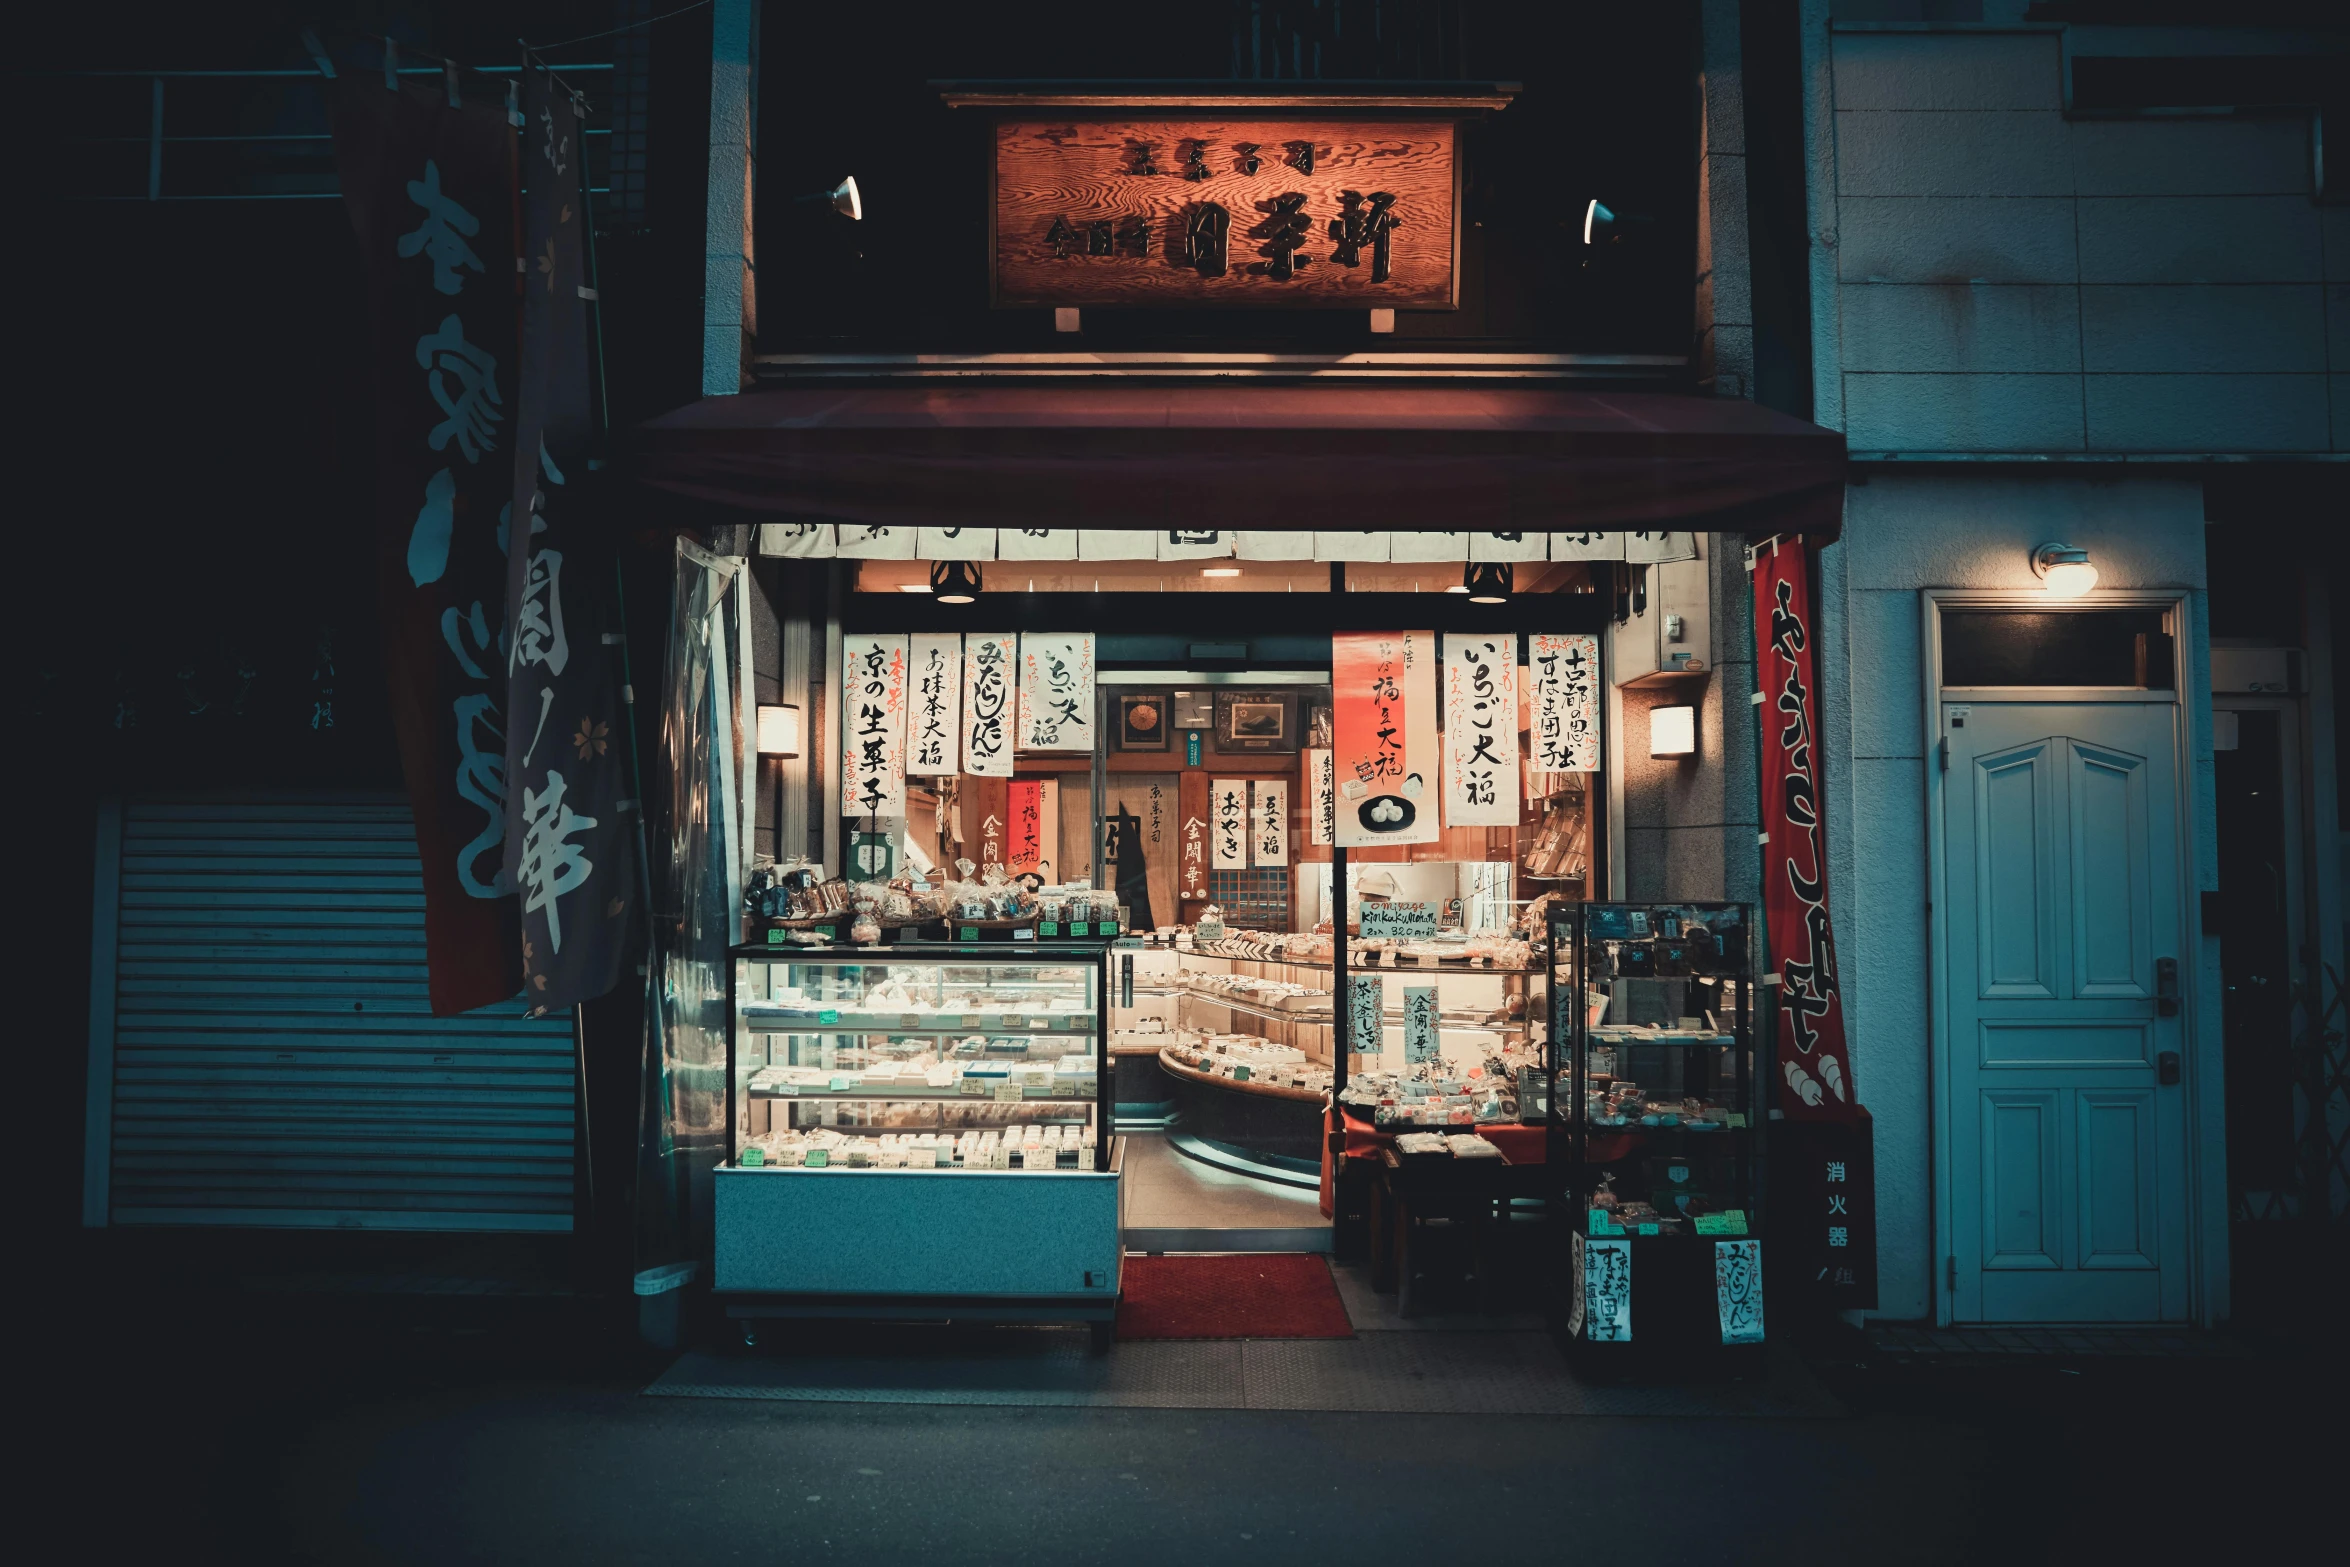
2065,1016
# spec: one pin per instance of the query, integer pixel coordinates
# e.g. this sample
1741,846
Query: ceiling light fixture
2066,572
955,581
1490,582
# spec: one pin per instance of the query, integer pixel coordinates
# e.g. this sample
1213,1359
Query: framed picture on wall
1257,721
1143,721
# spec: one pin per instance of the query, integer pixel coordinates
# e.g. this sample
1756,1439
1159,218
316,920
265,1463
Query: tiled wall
2011,280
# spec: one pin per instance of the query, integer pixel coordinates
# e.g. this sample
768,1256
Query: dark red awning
1242,455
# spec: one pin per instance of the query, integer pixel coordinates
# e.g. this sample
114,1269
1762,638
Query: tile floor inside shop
1176,1204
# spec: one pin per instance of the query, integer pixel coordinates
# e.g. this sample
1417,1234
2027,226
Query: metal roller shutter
262,1052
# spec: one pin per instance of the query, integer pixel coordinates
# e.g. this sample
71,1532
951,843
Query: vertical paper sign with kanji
1268,820
1383,738
1738,1290
1192,834
1481,731
1364,999
1024,829
873,726
1229,807
1056,691
933,728
1322,819
1421,1021
1565,672
989,663
1607,1291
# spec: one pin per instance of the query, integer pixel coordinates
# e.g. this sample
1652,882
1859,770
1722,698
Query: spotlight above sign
1154,196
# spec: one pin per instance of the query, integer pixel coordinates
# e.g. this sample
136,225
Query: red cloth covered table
1518,1144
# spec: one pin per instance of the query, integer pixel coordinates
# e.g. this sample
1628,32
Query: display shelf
1275,1014
768,1020
867,1095
1185,1070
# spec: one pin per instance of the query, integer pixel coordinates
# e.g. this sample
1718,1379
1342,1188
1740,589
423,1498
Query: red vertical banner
429,185
986,814
1024,825
1814,1066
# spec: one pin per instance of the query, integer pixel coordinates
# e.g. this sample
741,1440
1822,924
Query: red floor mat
1235,1295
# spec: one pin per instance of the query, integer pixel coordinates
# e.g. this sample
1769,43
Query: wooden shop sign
1287,203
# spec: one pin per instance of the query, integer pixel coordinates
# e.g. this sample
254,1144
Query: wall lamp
955,581
2067,573
779,730
842,198
1672,731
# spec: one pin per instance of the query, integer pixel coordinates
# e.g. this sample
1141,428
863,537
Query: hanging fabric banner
1381,706
1268,817
796,540
1056,691
875,543
873,726
1230,797
1509,546
1811,1048
1321,822
1429,547
934,739
430,190
571,844
1185,545
1565,671
1362,547
1586,546
988,662
1650,548
1036,544
1273,546
1481,731
954,544
1024,825
1117,544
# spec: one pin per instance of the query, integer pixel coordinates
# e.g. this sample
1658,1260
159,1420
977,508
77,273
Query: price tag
1737,1118
775,938
1007,1090
1024,935
1731,1221
1048,927
753,1158
1601,1224
818,1158
1081,928
839,1085
1650,1229
828,1015
909,1020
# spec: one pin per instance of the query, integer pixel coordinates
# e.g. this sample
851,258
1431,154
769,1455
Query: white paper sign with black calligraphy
1056,691
1481,731
934,733
989,664
1268,821
1322,823
873,726
1607,1291
1565,671
1738,1290
1228,818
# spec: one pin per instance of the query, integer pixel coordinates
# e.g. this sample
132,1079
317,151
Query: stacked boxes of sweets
1430,1094
1017,1146
1246,1058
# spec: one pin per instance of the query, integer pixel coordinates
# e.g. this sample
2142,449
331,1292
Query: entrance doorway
2063,951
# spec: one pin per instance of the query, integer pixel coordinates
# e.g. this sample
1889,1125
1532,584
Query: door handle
2166,987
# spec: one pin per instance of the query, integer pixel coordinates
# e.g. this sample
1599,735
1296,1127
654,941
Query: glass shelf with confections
919,1057
1653,1043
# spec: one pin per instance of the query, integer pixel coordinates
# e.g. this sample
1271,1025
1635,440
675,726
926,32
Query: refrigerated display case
923,1123
1652,1048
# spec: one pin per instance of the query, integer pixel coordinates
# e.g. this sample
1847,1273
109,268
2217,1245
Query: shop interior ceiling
1604,112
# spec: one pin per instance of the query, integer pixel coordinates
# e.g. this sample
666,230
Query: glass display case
927,1120
1655,1121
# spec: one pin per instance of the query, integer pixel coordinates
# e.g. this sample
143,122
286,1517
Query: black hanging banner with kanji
570,845
429,184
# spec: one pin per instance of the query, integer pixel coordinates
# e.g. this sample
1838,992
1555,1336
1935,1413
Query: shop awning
1242,455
